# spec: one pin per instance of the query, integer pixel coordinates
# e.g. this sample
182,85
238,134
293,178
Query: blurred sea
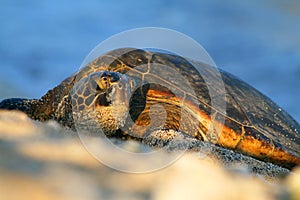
43,42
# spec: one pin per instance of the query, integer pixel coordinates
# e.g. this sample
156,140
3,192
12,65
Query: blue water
42,42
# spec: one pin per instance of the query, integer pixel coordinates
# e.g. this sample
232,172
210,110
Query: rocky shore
44,161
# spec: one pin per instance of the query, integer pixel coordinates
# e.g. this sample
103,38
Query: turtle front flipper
39,109
25,105
53,105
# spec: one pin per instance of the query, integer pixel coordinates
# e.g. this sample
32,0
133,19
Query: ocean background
43,42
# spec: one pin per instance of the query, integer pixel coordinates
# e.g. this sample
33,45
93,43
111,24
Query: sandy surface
43,161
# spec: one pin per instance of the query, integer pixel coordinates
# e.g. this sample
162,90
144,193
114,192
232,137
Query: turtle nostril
120,86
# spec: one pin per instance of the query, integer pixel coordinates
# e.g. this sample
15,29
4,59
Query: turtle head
101,101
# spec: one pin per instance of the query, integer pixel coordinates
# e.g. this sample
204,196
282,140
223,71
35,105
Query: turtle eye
102,83
104,78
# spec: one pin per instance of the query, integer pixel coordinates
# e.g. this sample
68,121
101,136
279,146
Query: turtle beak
118,98
120,91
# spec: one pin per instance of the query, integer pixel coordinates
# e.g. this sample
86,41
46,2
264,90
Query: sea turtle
100,95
